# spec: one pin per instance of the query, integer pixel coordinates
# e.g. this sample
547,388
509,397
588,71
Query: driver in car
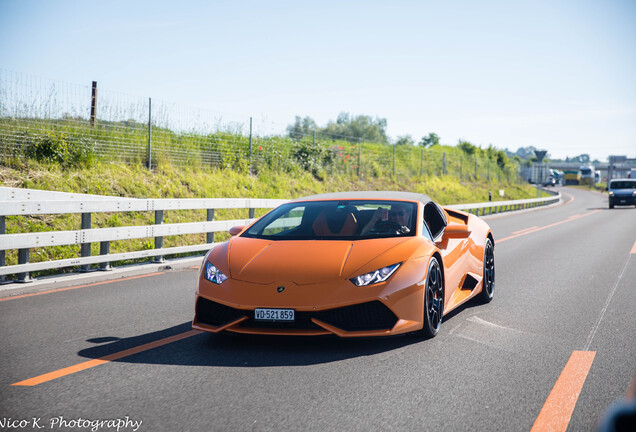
398,214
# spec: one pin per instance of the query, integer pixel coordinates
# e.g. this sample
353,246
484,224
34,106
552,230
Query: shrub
57,147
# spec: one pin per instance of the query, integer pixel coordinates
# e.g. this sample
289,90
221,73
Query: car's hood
310,261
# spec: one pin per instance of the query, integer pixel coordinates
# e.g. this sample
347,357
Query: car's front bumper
622,200
341,308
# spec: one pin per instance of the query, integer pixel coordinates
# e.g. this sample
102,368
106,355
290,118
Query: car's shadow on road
238,350
617,208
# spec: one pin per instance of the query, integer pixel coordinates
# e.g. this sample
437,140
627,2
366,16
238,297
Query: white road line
609,299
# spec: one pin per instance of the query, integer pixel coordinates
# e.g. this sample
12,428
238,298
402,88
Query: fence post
444,163
359,155
159,239
421,161
250,139
149,133
209,237
93,103
461,167
85,248
489,170
394,160
475,167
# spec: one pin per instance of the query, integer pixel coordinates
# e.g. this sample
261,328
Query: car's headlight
213,274
376,276
611,193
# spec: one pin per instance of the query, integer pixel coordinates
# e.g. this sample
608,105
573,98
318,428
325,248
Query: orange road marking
77,286
530,230
106,359
525,229
634,249
557,410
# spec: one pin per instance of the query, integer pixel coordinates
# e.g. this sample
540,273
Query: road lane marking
77,286
633,249
536,229
557,410
609,299
525,229
106,359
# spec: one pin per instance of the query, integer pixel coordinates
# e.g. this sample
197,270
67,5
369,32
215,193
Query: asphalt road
565,294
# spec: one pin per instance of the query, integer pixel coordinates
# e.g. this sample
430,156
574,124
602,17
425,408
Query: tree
467,147
361,127
430,140
301,127
405,140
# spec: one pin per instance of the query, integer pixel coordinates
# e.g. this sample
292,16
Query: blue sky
558,75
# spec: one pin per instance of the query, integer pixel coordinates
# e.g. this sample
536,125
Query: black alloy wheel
433,299
488,289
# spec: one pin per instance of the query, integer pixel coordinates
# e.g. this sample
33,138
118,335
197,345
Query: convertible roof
360,195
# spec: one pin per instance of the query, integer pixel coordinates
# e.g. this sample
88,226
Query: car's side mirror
236,230
457,231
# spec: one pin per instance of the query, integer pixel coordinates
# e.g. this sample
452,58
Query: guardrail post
2,231
85,248
104,249
23,258
251,213
209,237
158,240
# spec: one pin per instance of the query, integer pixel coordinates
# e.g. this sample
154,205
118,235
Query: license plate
286,315
623,201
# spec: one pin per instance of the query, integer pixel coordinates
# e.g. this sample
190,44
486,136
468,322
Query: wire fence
59,121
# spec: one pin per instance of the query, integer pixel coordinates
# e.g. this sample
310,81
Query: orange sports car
350,264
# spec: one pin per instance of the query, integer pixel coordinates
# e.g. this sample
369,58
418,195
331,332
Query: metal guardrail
505,206
17,201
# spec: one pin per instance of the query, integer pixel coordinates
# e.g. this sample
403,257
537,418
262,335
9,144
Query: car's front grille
365,316
360,317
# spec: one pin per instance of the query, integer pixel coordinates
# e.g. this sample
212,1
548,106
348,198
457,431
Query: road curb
46,283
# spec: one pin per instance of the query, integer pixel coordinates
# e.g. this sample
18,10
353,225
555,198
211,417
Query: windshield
623,184
336,220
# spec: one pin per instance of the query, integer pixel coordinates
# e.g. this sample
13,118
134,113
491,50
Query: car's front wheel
488,281
433,299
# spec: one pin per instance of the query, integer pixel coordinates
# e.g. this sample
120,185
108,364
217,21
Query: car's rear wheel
433,299
488,281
